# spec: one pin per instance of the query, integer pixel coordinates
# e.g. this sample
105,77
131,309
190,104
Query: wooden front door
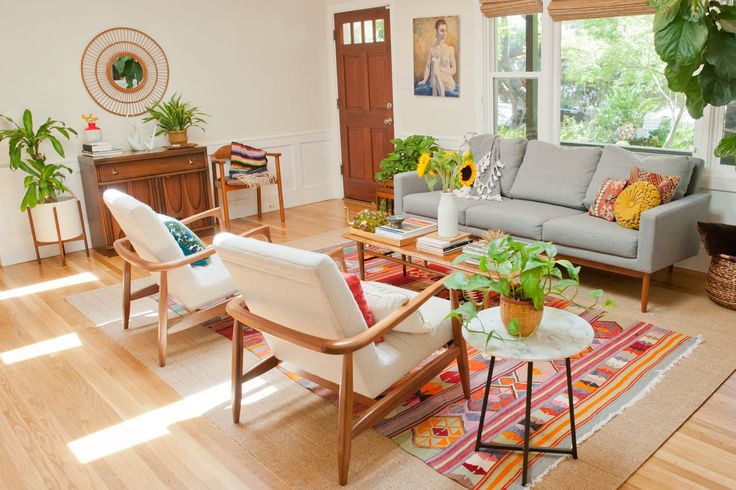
363,45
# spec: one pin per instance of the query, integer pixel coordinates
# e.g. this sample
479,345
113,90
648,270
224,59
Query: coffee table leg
527,421
361,260
572,410
485,403
403,264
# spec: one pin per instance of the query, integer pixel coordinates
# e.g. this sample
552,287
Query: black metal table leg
485,403
571,408
527,420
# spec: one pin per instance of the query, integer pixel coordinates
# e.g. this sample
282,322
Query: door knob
388,121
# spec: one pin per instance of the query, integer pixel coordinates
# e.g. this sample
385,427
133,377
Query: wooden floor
62,380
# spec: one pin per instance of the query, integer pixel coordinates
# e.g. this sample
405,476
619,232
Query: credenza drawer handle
191,162
115,171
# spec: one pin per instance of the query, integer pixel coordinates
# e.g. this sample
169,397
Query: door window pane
380,35
515,100
368,24
518,43
357,32
613,88
729,129
346,36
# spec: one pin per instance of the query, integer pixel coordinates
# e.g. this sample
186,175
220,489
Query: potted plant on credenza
174,118
55,214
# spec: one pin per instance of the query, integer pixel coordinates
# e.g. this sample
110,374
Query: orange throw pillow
353,282
602,206
664,184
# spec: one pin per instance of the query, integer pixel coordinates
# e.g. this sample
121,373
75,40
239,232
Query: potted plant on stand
175,117
523,275
54,217
453,171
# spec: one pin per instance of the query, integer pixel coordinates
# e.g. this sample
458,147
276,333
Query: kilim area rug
438,426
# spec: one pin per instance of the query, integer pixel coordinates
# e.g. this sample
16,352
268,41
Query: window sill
635,149
719,182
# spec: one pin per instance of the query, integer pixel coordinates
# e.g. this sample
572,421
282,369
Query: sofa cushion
512,154
516,217
590,233
556,175
426,203
616,163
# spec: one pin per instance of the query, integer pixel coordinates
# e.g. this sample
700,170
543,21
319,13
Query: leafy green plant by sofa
697,40
174,115
405,156
44,182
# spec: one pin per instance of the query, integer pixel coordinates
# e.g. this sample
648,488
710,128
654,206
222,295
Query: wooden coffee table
409,256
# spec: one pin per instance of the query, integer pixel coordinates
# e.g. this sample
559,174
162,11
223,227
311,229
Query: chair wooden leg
258,197
645,280
279,190
163,319
237,374
126,295
463,366
345,419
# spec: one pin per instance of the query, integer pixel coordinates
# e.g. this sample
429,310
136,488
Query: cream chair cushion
305,291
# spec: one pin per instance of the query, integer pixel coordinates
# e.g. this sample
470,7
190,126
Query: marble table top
561,334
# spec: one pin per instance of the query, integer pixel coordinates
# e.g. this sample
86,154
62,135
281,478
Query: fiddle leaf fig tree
697,40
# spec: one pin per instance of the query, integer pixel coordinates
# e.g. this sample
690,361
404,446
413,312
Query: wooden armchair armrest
263,231
121,247
214,212
273,154
331,346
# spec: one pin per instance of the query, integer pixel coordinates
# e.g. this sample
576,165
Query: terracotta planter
529,318
178,137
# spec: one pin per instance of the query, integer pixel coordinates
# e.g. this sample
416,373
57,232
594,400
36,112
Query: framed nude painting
436,55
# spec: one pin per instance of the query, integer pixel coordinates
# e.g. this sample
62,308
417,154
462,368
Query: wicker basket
720,283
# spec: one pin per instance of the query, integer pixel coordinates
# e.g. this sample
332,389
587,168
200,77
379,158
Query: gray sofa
546,190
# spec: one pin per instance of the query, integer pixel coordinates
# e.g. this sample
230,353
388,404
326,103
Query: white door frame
330,12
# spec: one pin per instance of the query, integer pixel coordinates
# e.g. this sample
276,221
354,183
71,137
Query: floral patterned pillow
664,184
602,206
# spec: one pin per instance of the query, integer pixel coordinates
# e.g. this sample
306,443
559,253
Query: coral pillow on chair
353,282
664,184
602,206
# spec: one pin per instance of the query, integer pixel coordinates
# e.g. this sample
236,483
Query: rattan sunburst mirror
124,70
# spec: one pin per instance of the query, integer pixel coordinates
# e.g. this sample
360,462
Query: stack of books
475,250
433,243
410,229
100,149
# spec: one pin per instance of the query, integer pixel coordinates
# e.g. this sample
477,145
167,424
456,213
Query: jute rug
292,431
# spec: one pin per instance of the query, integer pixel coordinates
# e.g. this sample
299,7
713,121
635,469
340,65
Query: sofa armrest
669,233
407,183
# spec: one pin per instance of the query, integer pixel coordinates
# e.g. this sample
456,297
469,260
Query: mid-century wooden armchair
321,332
223,182
148,245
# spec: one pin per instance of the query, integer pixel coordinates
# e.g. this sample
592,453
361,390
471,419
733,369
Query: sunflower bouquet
449,167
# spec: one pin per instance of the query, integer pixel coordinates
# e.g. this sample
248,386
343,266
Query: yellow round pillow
634,200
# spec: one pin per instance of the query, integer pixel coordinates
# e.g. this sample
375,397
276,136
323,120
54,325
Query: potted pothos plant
44,182
523,275
697,40
174,118
404,157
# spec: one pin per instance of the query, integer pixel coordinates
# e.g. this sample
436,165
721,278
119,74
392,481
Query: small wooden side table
385,193
560,335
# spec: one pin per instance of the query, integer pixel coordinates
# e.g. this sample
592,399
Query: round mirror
127,72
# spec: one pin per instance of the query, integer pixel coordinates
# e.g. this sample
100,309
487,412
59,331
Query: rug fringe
648,388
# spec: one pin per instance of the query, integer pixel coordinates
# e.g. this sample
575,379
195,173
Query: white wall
258,68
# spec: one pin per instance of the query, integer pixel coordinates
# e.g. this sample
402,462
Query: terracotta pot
529,318
178,137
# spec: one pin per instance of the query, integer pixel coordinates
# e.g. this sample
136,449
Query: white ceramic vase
447,215
68,214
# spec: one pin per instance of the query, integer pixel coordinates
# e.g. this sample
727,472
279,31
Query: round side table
560,335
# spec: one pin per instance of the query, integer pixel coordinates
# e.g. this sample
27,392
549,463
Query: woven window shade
594,9
501,8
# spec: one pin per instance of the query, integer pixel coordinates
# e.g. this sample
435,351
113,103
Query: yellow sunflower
468,172
422,164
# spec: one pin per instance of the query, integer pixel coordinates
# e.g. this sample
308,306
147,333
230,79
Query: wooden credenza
172,182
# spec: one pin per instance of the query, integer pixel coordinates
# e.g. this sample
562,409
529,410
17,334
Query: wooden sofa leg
345,419
163,319
645,280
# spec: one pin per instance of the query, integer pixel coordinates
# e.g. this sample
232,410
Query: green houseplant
523,274
44,182
175,117
697,40
405,156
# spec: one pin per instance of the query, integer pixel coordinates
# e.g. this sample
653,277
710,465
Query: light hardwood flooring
92,383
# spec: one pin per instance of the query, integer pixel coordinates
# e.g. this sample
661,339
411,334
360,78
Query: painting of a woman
435,56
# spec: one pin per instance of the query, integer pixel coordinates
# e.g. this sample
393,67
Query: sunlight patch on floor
155,424
43,348
41,287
